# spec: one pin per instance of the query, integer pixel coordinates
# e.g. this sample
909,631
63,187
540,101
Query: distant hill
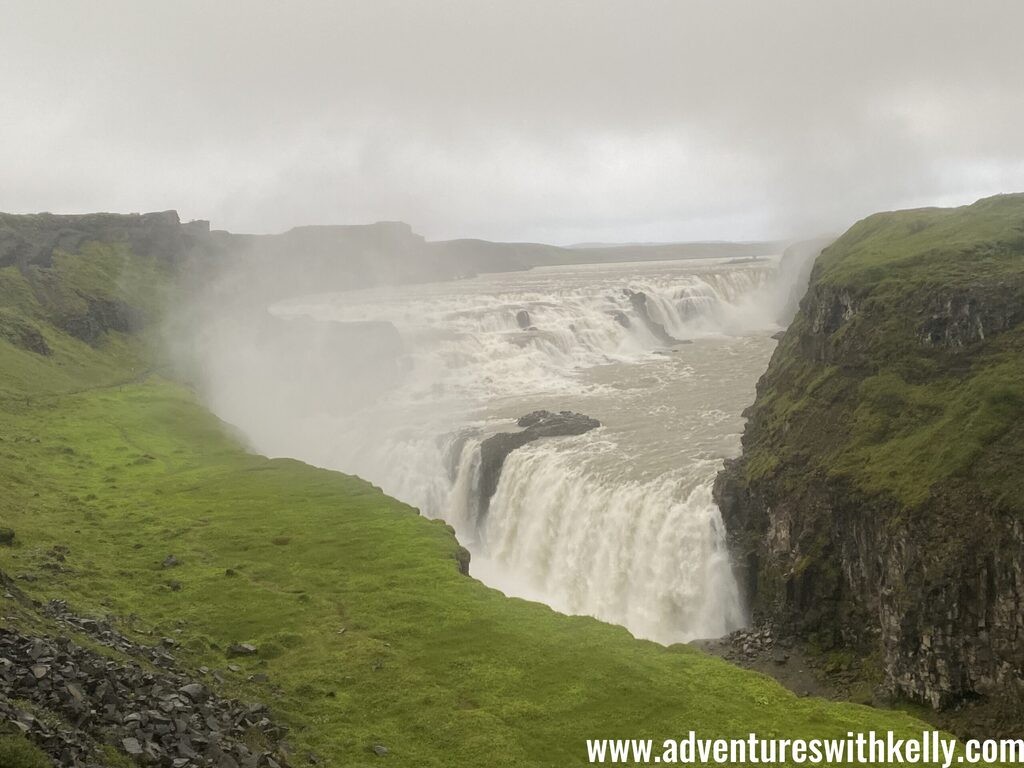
323,258
619,252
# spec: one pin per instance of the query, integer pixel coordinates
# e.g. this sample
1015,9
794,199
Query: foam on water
618,523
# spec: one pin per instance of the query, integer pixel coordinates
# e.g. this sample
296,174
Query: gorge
616,521
871,509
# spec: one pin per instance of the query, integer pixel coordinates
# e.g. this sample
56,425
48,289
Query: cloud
557,121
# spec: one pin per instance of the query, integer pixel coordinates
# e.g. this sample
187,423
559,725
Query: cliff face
32,240
72,272
878,504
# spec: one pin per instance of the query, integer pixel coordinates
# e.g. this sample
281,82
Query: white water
617,523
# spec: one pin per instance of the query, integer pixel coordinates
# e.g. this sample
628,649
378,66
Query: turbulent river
617,523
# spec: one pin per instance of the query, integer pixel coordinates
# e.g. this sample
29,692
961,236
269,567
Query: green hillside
878,502
366,631
912,337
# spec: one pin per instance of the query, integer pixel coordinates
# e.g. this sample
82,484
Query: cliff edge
878,504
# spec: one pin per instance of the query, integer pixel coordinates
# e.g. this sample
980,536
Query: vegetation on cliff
879,499
128,499
912,334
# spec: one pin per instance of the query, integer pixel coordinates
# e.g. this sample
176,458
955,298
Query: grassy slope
125,468
913,417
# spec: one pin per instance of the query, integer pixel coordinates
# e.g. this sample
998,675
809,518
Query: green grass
433,664
905,419
904,250
18,752
367,631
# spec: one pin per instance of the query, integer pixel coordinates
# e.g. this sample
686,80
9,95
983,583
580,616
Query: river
617,523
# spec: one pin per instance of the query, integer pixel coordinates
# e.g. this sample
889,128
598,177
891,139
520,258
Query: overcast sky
558,121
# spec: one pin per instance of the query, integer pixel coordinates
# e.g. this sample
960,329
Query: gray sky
615,120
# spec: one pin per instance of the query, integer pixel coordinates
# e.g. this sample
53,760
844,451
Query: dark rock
961,316
6,536
638,299
462,557
98,317
194,691
23,334
564,423
242,649
622,318
523,319
539,424
31,241
159,718
170,562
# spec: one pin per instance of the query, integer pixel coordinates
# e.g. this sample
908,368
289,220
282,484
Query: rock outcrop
44,248
877,504
23,334
97,316
638,300
32,240
496,448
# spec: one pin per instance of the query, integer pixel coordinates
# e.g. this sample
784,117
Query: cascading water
617,523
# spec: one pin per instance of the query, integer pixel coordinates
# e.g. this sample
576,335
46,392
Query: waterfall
648,555
617,523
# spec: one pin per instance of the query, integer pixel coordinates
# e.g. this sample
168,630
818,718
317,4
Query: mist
376,352
549,122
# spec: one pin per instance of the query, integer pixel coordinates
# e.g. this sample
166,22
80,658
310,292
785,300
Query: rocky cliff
878,505
69,271
32,240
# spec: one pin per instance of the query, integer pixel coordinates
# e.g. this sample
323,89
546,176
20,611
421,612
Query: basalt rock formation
878,505
44,249
33,240
496,448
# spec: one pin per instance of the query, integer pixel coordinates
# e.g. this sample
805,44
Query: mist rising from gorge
403,375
